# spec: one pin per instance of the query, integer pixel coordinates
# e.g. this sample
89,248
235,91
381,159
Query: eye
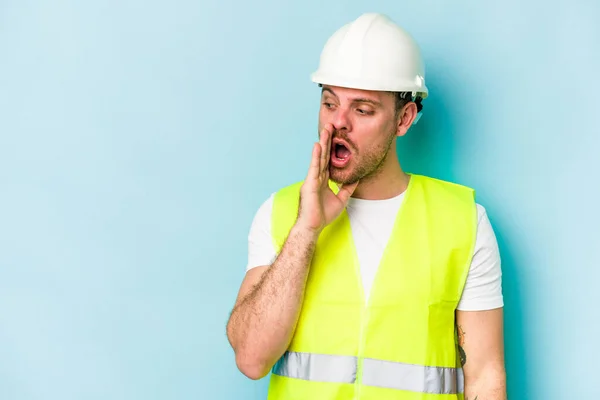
328,105
364,112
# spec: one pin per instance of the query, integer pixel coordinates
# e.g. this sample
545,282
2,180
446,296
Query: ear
406,116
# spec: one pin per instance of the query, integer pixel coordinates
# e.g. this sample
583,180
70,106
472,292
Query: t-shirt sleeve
261,250
483,289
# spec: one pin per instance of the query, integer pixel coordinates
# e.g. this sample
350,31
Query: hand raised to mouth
319,205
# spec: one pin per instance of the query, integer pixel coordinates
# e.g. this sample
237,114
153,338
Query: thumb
346,191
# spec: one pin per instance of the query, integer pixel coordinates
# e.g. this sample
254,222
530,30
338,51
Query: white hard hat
372,53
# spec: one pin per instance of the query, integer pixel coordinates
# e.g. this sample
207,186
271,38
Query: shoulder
444,186
289,190
287,199
261,222
266,208
264,211
445,196
278,202
481,212
261,250
463,191
483,288
485,232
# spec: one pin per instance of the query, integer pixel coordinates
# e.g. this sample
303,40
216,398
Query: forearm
262,325
481,346
487,384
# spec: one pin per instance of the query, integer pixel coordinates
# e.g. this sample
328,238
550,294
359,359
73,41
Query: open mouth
340,155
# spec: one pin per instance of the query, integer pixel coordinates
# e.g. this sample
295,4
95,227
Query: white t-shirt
372,222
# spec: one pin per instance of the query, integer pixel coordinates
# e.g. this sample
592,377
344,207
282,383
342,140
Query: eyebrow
368,101
355,100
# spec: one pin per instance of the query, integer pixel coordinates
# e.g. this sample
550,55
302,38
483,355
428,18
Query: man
365,282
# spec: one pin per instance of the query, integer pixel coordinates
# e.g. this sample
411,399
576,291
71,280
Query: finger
346,191
313,170
330,129
323,145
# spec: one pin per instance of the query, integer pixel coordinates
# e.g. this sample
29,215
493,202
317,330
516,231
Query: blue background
138,138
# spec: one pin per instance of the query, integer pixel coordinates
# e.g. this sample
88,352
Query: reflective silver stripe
414,378
317,367
388,374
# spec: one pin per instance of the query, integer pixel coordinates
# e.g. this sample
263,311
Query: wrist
305,231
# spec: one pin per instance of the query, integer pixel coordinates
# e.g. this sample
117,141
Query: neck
387,182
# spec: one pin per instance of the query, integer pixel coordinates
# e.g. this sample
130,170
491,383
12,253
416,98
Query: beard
364,164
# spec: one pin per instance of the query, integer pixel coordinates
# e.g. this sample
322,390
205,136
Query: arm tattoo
461,350
463,356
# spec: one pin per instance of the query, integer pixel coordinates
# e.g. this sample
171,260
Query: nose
341,120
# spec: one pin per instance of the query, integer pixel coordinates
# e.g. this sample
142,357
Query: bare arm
264,318
481,344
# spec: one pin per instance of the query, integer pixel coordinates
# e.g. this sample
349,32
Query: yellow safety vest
401,343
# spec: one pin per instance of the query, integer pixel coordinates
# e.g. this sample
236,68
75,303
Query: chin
342,176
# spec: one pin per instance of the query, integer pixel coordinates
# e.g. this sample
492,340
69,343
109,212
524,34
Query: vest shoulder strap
449,190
